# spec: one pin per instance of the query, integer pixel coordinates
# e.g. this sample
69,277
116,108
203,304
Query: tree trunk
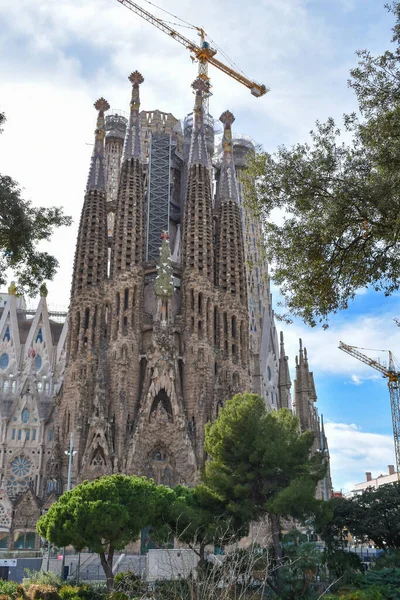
107,563
274,520
202,559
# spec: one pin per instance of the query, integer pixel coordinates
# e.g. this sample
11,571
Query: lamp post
70,453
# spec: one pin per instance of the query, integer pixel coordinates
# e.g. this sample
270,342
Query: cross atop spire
228,188
198,149
96,178
132,147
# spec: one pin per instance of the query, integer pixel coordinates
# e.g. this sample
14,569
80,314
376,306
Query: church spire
132,147
90,267
227,188
127,250
96,178
198,233
198,147
284,382
230,268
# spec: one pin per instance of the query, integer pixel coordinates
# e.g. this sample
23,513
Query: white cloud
354,452
365,331
357,380
49,82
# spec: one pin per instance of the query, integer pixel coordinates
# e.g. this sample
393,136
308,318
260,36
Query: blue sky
59,57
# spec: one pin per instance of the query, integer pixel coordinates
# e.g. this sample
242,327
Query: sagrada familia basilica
170,315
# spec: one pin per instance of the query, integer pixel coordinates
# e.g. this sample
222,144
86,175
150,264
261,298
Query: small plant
127,583
9,589
43,578
43,592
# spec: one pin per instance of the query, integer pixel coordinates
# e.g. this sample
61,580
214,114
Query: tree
105,515
260,465
376,516
22,227
341,226
372,515
198,517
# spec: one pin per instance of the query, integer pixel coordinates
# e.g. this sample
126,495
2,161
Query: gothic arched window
4,361
38,362
161,409
25,415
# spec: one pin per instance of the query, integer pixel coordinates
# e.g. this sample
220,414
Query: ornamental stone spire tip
228,187
198,148
136,78
96,178
227,118
132,146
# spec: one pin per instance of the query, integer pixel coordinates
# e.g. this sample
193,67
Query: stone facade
153,346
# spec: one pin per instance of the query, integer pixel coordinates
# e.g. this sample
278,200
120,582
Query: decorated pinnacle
198,149
200,86
228,188
96,179
227,118
132,147
101,105
136,78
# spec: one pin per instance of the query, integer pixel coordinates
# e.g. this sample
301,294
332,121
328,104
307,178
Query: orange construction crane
393,376
204,53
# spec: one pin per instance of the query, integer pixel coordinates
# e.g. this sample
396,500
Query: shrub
387,560
119,596
43,578
128,583
70,592
9,589
43,592
388,579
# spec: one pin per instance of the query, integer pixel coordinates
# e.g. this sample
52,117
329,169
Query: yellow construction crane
204,53
393,379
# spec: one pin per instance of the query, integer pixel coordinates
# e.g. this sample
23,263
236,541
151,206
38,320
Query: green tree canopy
105,515
259,464
22,227
372,515
199,518
341,201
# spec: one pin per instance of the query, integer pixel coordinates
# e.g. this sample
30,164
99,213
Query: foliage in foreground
341,202
372,515
105,515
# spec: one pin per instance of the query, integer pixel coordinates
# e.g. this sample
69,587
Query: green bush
43,578
75,592
387,560
389,579
128,583
340,562
95,591
9,589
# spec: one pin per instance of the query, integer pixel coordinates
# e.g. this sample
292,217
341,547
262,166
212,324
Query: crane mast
393,377
204,53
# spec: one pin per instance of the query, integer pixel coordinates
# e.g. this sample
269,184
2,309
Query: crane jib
205,54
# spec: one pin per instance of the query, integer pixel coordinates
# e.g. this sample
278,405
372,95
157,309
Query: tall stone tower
154,347
170,315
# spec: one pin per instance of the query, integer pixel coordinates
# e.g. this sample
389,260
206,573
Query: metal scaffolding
158,193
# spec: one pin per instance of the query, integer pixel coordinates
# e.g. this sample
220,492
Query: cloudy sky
59,57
